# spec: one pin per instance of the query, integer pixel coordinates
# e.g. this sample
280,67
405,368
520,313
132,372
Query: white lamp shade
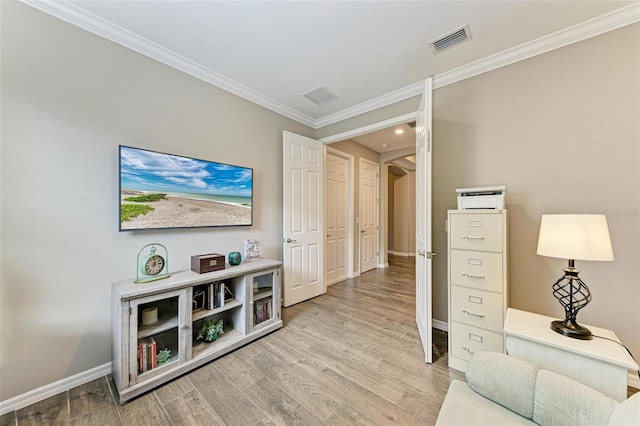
575,236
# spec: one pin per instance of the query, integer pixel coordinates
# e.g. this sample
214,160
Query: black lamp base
572,330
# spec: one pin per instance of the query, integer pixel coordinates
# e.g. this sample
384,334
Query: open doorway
385,143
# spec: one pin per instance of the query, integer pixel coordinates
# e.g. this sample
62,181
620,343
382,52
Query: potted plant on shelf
210,330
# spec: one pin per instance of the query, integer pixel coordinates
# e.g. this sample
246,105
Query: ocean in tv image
159,191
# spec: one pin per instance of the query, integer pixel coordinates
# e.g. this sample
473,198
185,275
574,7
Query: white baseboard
401,254
64,385
52,389
440,325
383,265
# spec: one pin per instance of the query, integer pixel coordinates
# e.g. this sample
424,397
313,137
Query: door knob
421,253
289,240
363,231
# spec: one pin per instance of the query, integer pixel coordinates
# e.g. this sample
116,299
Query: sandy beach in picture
175,212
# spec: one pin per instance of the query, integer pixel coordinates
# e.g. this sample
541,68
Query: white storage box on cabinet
477,277
166,315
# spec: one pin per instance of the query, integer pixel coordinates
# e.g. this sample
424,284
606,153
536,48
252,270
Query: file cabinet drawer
481,270
476,307
476,232
466,340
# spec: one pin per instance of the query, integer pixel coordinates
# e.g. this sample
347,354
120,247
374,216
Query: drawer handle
469,237
464,274
464,348
476,338
464,311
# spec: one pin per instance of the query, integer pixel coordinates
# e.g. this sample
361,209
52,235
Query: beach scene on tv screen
168,191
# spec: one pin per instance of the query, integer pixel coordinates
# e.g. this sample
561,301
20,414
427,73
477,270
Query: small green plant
210,330
147,198
129,211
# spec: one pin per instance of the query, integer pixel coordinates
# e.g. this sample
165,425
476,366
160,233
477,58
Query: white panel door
423,223
303,227
336,218
368,215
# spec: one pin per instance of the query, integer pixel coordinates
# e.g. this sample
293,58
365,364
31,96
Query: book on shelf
154,352
211,300
216,295
262,310
147,354
259,307
268,303
141,351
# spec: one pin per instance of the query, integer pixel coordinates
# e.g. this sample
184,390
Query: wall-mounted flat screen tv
162,191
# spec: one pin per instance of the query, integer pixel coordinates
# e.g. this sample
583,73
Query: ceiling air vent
320,95
450,40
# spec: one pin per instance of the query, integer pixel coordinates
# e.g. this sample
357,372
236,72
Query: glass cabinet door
157,337
263,293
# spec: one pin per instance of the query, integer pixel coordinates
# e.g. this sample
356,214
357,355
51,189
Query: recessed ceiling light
399,131
384,145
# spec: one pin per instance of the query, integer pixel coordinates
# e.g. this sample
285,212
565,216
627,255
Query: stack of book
262,310
147,354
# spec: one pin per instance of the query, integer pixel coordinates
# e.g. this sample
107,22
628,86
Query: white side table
598,363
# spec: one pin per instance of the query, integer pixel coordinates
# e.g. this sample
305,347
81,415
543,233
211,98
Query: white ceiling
368,53
387,139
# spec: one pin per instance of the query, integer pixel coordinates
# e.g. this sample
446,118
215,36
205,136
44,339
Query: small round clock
152,264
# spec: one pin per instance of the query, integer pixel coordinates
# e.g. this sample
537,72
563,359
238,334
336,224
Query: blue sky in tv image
150,171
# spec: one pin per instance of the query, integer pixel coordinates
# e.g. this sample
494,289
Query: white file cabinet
477,273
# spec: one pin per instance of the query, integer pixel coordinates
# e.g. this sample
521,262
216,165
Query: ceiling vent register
454,38
320,95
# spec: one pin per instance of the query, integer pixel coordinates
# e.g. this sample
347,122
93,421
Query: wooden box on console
203,263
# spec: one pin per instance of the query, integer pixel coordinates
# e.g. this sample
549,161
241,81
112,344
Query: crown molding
407,92
611,21
79,17
579,32
106,29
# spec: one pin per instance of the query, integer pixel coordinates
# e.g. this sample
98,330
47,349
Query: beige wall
561,130
391,178
404,206
68,99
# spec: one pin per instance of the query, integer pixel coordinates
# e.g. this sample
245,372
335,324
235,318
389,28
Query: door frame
350,209
383,218
383,186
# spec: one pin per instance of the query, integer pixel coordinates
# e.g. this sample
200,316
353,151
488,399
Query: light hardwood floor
350,356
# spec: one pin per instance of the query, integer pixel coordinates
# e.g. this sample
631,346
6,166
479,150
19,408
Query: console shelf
146,356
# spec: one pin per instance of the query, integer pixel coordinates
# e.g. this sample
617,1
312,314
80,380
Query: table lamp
573,237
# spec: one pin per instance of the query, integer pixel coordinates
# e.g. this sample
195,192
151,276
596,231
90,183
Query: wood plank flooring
350,356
